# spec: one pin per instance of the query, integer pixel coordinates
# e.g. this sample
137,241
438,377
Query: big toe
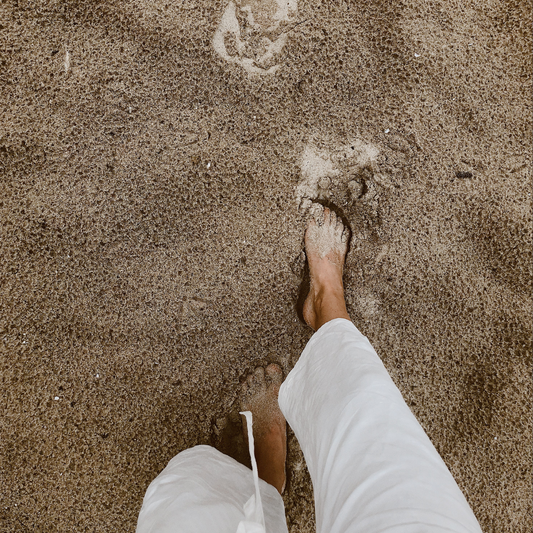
317,213
333,219
339,228
327,216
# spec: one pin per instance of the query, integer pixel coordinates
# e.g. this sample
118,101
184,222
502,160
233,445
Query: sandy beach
157,163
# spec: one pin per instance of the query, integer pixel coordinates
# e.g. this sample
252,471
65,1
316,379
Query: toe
345,235
259,375
339,229
333,219
326,216
274,373
250,380
320,214
317,214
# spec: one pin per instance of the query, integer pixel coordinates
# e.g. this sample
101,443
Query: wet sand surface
154,190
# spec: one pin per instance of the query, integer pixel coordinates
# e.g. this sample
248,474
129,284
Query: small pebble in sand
387,131
463,175
56,397
417,55
208,165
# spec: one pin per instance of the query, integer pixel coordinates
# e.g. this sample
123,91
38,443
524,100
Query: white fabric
373,467
374,470
204,491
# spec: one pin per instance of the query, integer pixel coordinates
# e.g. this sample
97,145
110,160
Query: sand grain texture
151,236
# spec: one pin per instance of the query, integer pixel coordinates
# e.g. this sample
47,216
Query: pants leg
372,465
204,491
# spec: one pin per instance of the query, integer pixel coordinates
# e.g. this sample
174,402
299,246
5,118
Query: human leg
260,396
373,467
202,490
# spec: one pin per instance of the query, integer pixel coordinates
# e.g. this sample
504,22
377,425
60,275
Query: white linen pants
373,468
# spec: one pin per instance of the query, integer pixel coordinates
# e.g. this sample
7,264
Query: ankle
326,291
329,304
271,454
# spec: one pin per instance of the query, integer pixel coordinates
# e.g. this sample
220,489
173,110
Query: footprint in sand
338,173
253,33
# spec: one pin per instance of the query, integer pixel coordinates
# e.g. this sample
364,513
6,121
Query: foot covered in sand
326,244
260,396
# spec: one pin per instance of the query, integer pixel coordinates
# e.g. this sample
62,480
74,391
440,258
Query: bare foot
260,396
326,243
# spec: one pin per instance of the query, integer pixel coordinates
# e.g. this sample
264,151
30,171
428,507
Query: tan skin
325,245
